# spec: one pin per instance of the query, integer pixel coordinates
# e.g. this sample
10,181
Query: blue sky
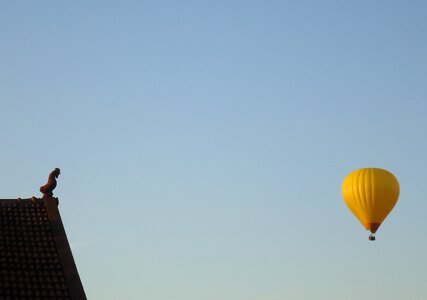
203,143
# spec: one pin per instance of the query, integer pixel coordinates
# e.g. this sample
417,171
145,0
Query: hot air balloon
370,194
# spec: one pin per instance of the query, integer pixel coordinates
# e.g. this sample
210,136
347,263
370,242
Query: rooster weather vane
48,188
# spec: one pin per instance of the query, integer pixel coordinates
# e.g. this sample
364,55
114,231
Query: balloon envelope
370,194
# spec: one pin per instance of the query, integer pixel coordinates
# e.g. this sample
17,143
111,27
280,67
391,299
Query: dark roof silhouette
35,258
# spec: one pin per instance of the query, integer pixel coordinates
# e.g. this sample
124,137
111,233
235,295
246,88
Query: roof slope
35,258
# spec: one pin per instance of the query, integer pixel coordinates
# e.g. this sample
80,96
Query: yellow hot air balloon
370,194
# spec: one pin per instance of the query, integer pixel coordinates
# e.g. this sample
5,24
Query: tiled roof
35,258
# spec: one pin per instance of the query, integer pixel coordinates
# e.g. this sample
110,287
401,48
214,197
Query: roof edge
64,251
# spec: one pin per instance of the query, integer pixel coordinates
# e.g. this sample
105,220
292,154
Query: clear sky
203,143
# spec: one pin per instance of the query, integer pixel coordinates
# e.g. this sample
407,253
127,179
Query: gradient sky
203,144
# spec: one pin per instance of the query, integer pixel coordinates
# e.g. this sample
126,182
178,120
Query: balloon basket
372,237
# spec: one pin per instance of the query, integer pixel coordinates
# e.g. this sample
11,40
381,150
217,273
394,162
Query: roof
35,258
